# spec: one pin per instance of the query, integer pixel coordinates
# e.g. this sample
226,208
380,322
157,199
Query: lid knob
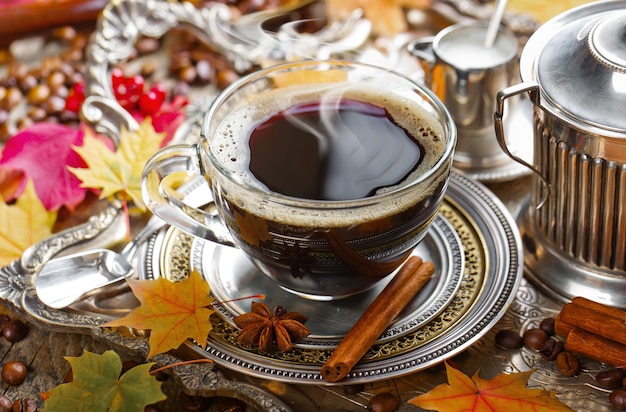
607,41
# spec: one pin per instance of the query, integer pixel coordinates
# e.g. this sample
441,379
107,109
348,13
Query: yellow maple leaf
172,311
504,393
387,16
23,224
118,171
542,10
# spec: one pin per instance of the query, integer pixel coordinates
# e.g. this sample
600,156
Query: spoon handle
494,23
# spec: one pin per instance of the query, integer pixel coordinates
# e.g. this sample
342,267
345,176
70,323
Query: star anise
260,327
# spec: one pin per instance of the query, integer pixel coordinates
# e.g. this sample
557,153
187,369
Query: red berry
117,77
75,98
150,103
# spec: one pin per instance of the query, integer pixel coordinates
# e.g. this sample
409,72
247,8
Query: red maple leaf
43,152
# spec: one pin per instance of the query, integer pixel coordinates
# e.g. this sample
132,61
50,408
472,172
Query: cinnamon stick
561,328
596,347
600,308
590,320
410,279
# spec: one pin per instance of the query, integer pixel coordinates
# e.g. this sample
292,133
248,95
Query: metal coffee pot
574,227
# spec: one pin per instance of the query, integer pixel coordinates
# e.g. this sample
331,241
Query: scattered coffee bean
4,320
5,404
15,331
353,389
14,373
617,399
550,349
24,405
509,339
547,325
610,378
383,402
567,363
534,338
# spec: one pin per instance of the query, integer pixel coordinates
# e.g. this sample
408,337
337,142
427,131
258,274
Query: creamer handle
532,89
422,48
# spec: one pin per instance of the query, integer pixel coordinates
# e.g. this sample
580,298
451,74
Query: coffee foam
230,147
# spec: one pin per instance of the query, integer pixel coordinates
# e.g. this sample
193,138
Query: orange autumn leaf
172,311
504,393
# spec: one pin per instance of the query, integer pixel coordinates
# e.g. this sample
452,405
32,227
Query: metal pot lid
579,61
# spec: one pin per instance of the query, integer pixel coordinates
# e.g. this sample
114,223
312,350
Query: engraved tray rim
499,235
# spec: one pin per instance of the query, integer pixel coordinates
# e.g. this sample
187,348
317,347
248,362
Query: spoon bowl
62,281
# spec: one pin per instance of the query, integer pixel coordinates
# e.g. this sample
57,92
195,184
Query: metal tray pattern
491,273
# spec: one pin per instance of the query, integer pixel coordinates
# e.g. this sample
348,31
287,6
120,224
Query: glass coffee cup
325,174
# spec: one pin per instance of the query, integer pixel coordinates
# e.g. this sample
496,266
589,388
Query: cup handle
164,202
533,90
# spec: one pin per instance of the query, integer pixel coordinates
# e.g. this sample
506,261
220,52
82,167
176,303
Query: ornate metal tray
491,273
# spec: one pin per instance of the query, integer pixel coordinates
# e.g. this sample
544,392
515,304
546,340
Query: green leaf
97,386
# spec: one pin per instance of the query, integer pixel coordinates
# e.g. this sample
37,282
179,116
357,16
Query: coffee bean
14,373
547,325
225,77
353,389
610,378
567,363
24,405
4,320
534,338
509,339
617,398
12,97
5,404
38,94
550,349
15,331
383,402
187,74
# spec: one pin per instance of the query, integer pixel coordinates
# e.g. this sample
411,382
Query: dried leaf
387,16
541,10
23,224
98,386
42,153
118,171
504,393
172,311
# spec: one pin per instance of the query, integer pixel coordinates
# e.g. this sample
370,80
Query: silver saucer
231,275
492,271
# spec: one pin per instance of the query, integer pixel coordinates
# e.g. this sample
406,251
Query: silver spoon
494,23
62,281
